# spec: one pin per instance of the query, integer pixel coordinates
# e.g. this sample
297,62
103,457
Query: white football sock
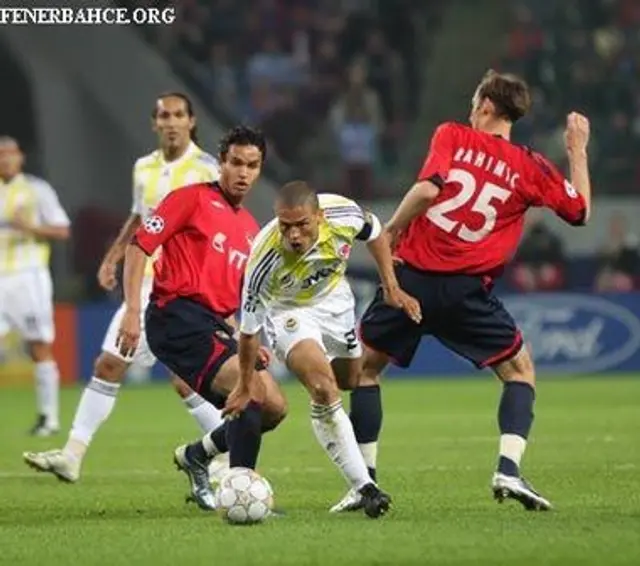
47,392
207,416
96,404
512,446
334,432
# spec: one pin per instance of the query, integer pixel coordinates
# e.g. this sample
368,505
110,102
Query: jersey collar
216,187
16,179
191,149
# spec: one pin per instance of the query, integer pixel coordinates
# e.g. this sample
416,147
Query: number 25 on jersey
483,204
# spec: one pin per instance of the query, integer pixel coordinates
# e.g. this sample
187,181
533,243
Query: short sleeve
171,216
438,161
552,190
137,188
350,219
50,210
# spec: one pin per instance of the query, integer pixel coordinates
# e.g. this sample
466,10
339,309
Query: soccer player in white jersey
296,289
30,216
177,162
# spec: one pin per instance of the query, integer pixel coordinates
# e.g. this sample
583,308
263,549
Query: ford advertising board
578,333
567,334
570,334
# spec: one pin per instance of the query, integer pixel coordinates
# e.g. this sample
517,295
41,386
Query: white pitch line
266,471
290,470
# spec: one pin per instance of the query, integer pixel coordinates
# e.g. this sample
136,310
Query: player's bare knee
40,352
109,368
323,389
518,368
272,417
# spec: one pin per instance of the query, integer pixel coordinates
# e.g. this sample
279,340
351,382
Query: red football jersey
487,184
205,245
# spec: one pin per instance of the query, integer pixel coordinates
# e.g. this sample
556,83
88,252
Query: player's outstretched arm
380,250
415,202
576,140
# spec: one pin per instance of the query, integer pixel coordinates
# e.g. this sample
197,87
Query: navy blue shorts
192,341
458,310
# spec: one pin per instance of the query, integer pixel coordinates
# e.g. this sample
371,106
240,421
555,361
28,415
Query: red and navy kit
451,254
205,244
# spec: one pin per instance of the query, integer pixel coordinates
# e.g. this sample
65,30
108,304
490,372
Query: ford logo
576,333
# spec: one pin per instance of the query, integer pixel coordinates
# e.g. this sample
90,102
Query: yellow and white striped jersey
38,203
277,279
154,178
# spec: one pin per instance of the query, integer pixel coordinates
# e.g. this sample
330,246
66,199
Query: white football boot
197,472
64,466
352,501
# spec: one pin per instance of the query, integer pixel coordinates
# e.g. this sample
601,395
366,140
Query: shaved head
297,194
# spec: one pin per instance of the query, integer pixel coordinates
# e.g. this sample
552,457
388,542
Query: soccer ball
244,497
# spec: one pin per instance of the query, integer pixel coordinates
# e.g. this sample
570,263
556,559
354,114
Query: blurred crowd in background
335,85
582,54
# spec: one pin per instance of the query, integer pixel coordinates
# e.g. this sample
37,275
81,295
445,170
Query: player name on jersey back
486,185
488,163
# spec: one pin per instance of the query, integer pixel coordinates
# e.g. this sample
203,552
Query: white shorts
331,323
142,356
26,304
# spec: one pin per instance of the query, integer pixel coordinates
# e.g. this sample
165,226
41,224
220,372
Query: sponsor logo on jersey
237,258
319,275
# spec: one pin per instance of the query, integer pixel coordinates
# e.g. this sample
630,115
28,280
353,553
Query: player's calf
515,412
96,404
205,413
515,419
331,425
245,432
366,407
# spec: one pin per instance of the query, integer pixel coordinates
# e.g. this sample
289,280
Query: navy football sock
244,437
515,417
366,419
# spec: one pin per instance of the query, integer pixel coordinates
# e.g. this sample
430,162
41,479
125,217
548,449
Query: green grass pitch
436,458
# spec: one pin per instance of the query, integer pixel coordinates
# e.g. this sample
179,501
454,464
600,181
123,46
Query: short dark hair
187,102
243,135
509,94
297,193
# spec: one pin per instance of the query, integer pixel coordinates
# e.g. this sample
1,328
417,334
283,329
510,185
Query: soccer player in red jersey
206,237
458,226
